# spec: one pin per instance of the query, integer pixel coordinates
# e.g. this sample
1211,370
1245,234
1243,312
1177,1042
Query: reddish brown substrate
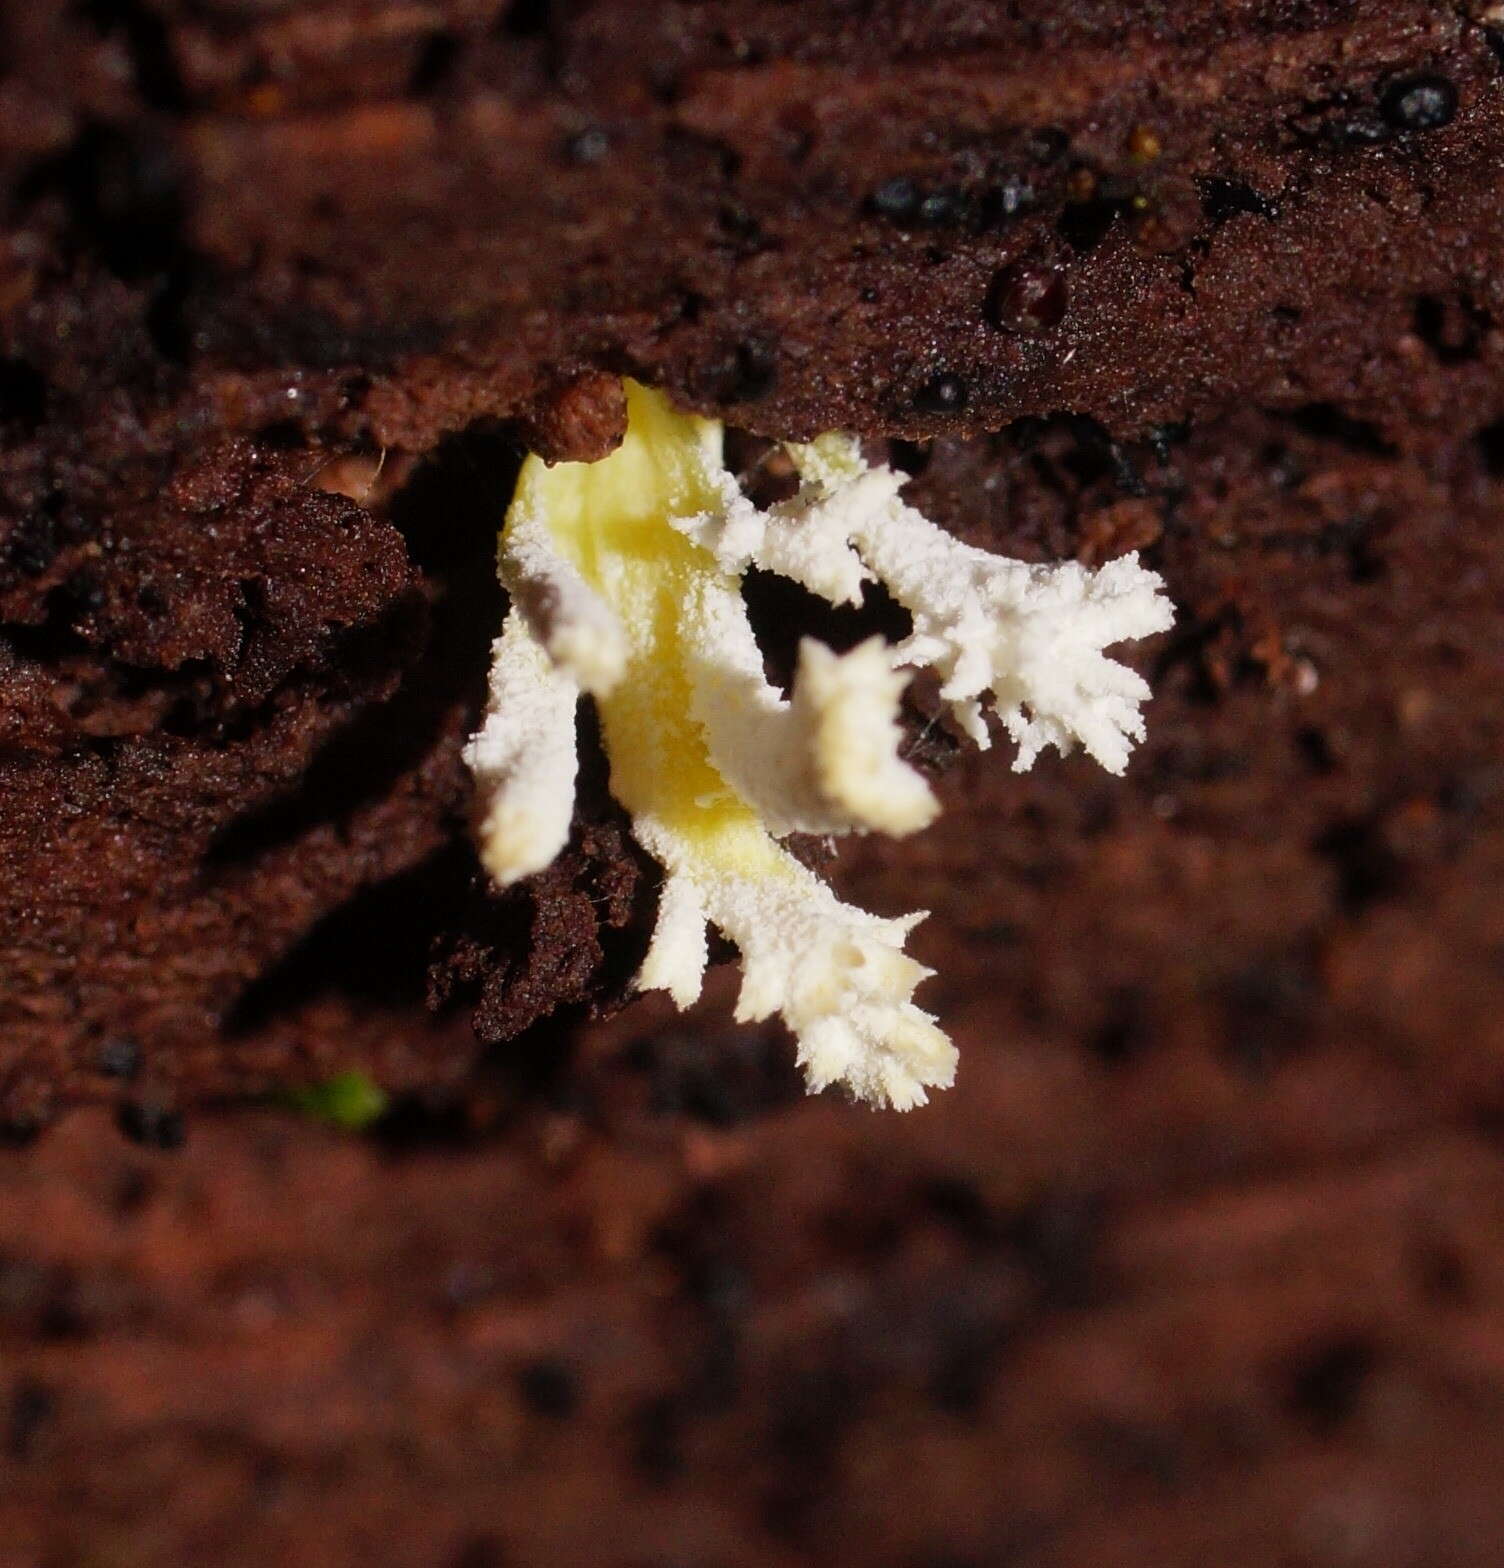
287,885
1197,1263
282,288
1161,1312
802,215
814,215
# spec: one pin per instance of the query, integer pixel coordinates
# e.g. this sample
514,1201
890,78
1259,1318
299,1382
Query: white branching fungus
524,757
1033,637
625,578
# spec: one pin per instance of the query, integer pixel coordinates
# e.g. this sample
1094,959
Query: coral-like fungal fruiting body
625,579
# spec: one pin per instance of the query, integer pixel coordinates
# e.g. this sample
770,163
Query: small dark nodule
746,374
151,1124
1419,103
550,1389
945,394
588,146
943,209
1029,297
897,200
32,1406
1328,1382
118,1058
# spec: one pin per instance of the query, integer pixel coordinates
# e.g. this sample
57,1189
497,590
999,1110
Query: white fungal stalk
625,577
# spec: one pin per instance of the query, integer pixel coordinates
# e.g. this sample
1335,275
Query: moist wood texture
1197,1264
283,288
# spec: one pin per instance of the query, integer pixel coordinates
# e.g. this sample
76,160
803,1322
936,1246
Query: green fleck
349,1100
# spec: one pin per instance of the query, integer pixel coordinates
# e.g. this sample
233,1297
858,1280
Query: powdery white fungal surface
625,580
